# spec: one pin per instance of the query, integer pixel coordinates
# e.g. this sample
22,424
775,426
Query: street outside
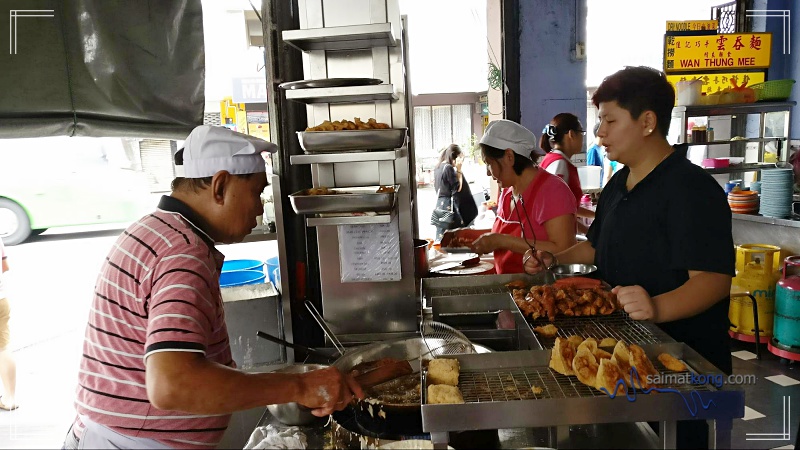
50,286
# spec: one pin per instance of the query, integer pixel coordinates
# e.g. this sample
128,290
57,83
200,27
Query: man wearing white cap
157,370
534,207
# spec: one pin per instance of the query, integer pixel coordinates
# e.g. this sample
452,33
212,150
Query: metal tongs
549,276
322,324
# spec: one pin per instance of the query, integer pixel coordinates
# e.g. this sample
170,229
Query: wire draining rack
617,325
498,394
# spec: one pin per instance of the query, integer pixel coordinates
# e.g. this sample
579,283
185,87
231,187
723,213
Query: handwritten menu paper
369,252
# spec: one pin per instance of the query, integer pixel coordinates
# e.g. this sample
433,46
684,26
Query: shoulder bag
444,217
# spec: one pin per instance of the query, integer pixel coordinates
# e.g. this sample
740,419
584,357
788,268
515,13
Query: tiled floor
772,404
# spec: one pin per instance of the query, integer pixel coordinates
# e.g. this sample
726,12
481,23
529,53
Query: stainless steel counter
328,435
768,220
750,229
498,391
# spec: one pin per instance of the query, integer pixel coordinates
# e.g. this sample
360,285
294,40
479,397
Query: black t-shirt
675,220
445,180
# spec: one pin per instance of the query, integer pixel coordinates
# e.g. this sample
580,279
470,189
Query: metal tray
346,200
329,82
350,140
497,390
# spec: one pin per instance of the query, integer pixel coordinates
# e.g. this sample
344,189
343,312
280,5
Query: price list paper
369,252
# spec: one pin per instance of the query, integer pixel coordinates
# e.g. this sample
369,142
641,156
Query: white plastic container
590,177
689,92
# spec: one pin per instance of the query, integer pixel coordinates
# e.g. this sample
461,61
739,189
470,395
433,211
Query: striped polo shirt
158,290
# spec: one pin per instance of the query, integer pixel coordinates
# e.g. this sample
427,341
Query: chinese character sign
717,52
714,82
692,25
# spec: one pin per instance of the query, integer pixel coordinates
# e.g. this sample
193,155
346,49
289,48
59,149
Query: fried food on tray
460,242
517,284
644,367
444,394
443,371
578,282
344,125
585,366
599,369
385,190
547,331
536,390
550,301
370,124
622,358
602,354
608,342
608,375
561,357
672,363
575,341
588,344
320,191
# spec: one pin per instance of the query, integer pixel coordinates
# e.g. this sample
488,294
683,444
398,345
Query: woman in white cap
535,208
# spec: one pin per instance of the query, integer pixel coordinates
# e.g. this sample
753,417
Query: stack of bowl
743,202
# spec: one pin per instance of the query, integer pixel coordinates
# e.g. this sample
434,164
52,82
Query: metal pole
284,63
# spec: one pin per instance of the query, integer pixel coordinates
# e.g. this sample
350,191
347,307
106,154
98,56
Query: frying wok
392,418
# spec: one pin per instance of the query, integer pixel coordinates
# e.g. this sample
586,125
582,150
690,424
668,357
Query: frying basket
442,339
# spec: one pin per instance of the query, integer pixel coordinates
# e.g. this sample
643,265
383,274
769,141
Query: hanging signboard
692,25
717,52
719,81
249,90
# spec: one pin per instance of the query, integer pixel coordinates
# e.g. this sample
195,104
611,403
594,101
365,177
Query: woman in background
467,208
448,181
561,139
535,208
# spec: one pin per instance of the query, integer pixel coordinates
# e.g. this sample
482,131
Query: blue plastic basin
241,277
273,269
242,264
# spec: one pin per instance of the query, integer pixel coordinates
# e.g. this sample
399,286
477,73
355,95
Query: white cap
209,149
503,134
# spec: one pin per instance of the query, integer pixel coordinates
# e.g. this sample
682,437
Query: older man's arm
186,381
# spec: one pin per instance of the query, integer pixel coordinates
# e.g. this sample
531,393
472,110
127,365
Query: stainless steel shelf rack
348,94
353,37
327,220
345,157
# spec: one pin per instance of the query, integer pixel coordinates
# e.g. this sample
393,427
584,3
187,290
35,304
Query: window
436,127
